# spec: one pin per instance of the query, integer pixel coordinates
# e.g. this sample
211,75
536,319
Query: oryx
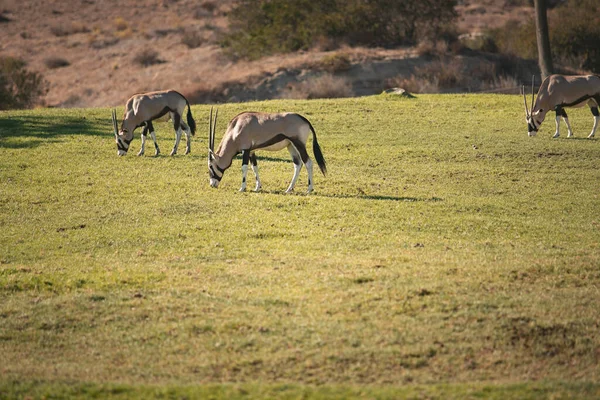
558,92
251,131
142,109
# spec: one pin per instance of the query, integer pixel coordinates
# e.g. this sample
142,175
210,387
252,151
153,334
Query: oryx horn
525,101
212,127
114,120
210,137
532,92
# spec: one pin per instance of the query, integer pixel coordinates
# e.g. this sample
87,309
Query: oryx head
214,171
534,118
122,137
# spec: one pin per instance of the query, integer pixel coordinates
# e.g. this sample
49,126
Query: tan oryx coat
142,109
251,131
558,92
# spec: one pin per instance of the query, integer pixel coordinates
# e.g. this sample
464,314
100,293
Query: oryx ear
211,154
537,112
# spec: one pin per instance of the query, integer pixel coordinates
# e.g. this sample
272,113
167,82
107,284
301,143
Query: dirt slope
99,40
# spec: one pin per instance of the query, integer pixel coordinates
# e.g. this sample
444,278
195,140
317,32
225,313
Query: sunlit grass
444,249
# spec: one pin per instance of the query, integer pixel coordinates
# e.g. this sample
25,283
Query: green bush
574,35
19,88
262,27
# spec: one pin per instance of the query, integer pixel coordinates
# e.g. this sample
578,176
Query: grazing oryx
558,92
142,109
251,131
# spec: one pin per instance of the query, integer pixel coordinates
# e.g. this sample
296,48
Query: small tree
19,88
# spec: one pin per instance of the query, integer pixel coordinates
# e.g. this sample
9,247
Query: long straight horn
210,131
114,121
525,101
214,129
532,91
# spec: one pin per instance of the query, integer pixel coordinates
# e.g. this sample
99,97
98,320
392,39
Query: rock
399,92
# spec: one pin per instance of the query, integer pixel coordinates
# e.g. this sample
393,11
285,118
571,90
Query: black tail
316,148
190,119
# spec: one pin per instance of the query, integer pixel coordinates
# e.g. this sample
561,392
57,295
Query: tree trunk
543,38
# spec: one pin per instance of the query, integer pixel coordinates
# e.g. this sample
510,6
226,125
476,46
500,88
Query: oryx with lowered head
558,92
251,131
142,109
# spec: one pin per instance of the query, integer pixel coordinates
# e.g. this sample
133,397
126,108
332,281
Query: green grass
445,255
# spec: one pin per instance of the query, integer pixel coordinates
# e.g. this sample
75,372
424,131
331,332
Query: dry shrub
452,75
504,84
120,24
56,62
429,47
192,39
147,57
20,88
322,87
124,34
335,62
66,30
413,84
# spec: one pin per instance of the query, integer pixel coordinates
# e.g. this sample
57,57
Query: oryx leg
301,148
255,169
144,132
188,136
153,136
596,119
297,159
245,159
177,126
559,114
566,118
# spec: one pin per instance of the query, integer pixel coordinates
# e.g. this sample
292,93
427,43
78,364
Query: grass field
445,255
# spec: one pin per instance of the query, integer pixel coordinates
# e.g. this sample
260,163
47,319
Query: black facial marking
531,128
595,112
214,175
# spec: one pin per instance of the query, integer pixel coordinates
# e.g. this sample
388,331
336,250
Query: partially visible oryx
251,131
142,109
558,92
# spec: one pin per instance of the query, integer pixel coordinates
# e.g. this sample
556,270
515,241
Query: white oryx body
142,109
558,92
251,131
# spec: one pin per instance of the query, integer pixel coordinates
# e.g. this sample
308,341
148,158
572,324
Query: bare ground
99,42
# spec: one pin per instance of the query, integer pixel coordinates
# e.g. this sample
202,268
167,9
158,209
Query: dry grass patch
56,62
147,57
61,30
323,87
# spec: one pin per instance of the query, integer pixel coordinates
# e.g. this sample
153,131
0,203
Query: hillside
87,50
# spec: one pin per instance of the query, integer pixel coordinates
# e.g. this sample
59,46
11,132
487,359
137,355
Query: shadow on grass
357,196
380,197
37,130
